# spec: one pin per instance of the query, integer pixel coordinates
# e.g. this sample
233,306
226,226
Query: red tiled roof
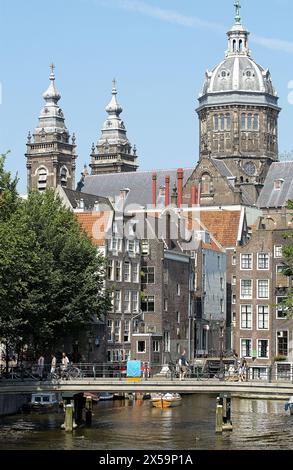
223,225
94,224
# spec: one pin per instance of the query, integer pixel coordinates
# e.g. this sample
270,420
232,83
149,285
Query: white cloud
172,16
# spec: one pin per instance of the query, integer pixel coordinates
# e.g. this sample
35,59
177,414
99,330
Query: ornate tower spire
113,152
50,156
238,35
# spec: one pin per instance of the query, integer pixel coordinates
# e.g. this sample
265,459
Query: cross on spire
237,6
52,67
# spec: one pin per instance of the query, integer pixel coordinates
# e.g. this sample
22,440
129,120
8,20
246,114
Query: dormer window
278,184
42,179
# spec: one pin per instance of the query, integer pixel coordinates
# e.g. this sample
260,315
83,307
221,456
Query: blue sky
158,50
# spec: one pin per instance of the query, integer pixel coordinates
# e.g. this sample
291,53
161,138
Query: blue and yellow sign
134,369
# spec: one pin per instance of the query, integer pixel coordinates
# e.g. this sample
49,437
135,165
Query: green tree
8,192
50,274
288,271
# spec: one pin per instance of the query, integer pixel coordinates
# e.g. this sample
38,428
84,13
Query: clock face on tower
250,168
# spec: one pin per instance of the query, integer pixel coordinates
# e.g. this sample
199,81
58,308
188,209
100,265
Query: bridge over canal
249,389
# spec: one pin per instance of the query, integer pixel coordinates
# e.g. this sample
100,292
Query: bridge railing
279,372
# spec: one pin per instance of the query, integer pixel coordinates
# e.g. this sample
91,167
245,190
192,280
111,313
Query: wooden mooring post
223,413
88,411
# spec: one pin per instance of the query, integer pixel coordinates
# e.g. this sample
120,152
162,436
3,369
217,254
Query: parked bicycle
70,373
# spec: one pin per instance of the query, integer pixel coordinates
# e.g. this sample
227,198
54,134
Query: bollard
68,424
219,419
225,401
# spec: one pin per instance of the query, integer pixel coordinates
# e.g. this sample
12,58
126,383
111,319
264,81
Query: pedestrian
41,364
65,361
183,364
53,364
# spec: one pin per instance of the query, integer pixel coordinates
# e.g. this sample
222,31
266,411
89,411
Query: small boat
289,406
167,400
42,402
106,396
94,396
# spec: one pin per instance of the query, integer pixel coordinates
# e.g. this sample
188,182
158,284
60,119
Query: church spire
113,141
51,118
50,154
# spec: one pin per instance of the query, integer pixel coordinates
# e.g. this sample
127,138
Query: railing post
94,371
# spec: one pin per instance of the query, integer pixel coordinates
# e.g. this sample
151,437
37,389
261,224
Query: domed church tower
238,113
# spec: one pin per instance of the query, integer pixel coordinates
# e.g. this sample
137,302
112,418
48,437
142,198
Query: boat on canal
166,400
44,402
106,396
289,406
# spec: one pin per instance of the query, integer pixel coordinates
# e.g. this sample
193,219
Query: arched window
249,121
256,122
63,177
222,122
234,45
206,184
42,179
216,122
243,121
228,122
240,45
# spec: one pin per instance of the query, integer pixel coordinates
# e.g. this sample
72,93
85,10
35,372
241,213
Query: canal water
130,425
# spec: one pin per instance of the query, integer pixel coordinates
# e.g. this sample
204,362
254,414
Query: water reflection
129,424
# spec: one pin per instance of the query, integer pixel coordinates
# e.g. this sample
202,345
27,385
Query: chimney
154,197
167,191
180,174
194,195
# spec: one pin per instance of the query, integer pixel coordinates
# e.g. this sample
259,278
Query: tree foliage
288,271
51,278
8,192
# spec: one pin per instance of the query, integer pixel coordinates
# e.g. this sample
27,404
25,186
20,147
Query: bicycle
71,372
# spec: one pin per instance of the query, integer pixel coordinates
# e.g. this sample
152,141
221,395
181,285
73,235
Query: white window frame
111,265
268,349
288,340
156,346
127,271
258,313
141,341
145,243
135,301
127,301
246,297
276,250
241,260
257,288
277,310
119,300
258,264
118,263
117,324
245,313
251,347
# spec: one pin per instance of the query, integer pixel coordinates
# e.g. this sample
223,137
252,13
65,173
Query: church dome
238,73
238,78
